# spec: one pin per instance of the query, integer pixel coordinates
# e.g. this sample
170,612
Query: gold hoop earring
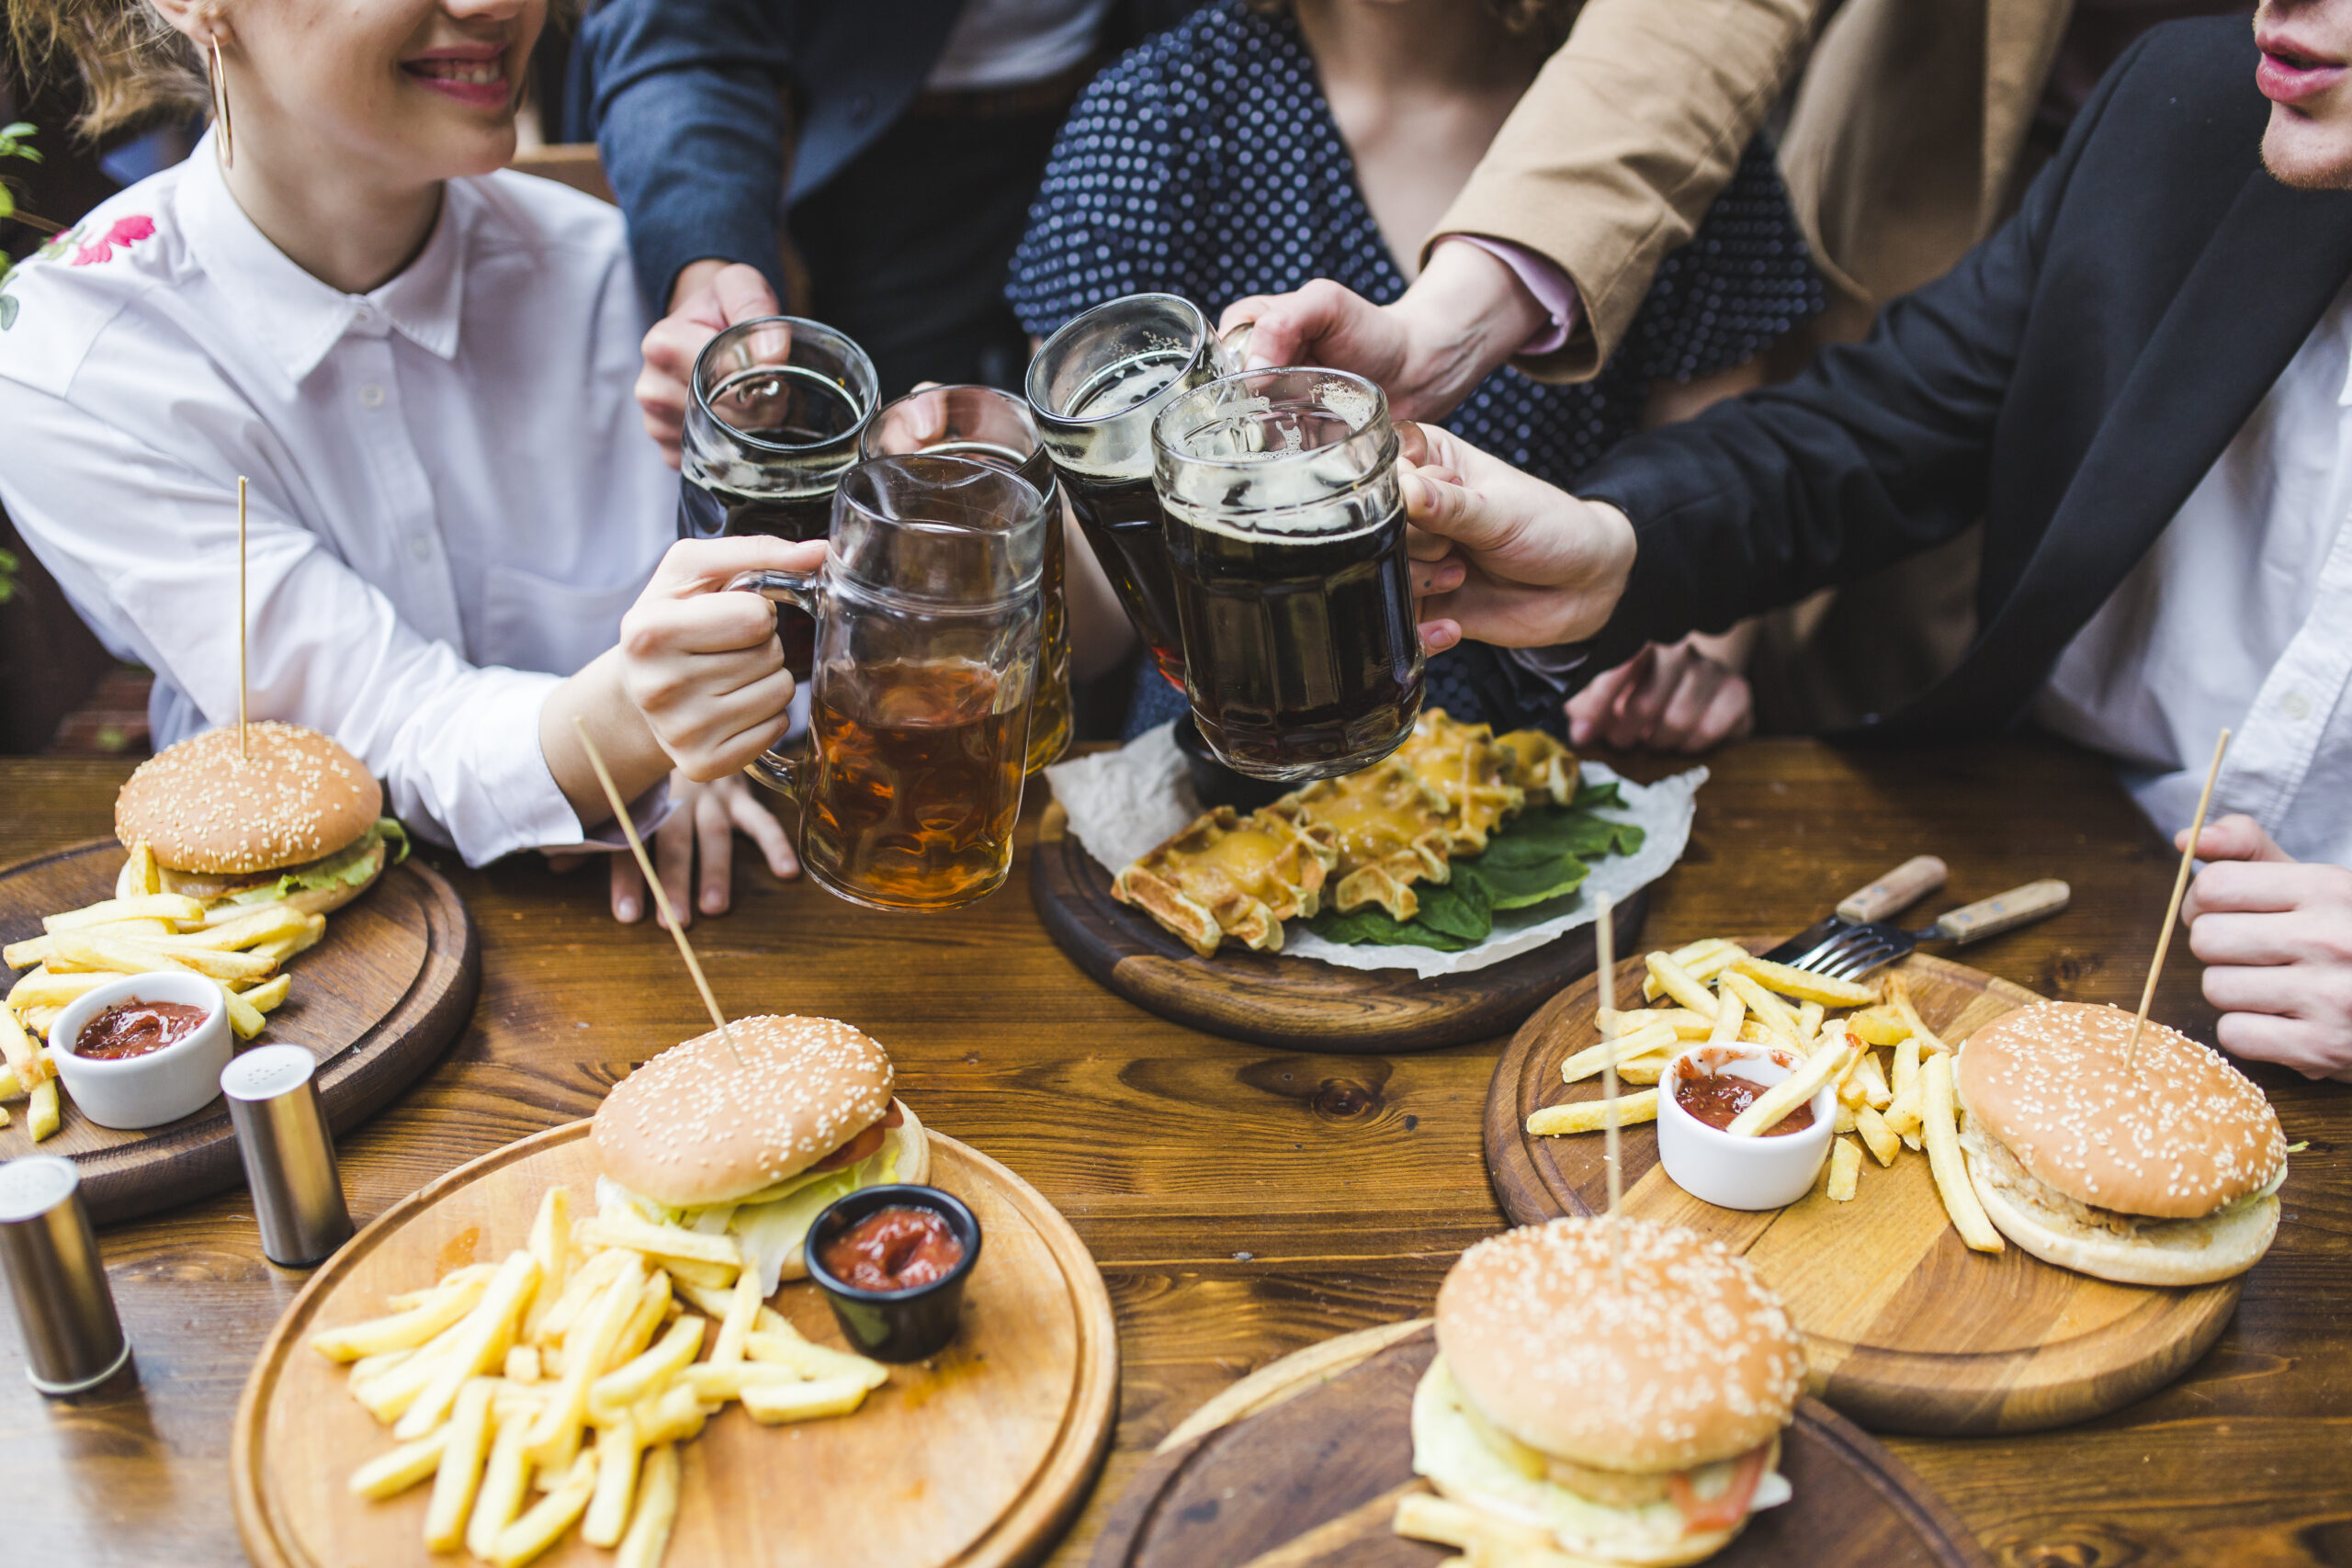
221,108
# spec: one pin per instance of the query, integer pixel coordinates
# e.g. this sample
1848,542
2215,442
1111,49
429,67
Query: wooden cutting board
376,1001
1274,1000
1907,1329
975,1459
1301,1464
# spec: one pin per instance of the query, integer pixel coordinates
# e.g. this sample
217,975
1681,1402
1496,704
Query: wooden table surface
1244,1202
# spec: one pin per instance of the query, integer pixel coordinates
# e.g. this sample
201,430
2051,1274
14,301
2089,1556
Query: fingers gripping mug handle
804,591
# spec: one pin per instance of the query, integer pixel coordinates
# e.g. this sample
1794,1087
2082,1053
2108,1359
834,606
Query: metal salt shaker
288,1154
64,1307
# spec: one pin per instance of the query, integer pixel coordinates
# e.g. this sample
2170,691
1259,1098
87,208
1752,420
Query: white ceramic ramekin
1711,1165
163,1086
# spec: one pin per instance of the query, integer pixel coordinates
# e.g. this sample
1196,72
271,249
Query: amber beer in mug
772,422
991,426
1095,388
928,614
1287,549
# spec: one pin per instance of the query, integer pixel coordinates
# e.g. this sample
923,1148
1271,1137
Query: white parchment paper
1122,803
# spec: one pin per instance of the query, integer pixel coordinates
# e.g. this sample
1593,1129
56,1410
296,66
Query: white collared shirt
2240,616
452,498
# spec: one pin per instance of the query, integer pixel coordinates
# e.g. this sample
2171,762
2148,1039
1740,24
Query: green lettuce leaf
345,867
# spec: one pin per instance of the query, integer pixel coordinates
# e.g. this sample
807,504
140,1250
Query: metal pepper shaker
289,1153
64,1307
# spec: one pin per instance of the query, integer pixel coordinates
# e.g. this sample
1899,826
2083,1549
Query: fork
1843,951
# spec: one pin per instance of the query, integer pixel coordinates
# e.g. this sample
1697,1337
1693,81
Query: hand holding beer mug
927,611
1286,537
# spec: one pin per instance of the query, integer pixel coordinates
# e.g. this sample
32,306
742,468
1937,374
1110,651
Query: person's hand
704,665
702,827
2275,936
710,297
1669,698
1500,556
1462,318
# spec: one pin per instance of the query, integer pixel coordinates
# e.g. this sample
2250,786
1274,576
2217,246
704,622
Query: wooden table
1244,1202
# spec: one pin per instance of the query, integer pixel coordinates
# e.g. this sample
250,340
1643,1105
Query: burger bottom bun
912,1145
307,901
1692,1548
320,901
2166,1252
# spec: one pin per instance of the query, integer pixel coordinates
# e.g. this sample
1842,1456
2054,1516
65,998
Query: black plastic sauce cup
896,1326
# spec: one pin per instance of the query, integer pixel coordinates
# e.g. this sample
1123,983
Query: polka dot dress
1206,164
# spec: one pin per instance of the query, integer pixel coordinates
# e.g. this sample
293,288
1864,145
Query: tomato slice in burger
1728,1507
865,1143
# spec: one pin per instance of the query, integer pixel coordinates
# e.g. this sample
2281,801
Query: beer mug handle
1233,348
804,591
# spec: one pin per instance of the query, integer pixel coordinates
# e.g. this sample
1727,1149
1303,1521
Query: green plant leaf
8,200
1372,924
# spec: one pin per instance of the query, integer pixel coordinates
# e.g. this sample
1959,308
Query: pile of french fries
574,1368
140,930
1720,993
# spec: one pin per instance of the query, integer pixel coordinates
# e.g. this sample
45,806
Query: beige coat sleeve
1625,139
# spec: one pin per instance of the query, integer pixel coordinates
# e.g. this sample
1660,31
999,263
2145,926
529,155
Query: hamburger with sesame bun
290,818
754,1133
1636,1422
2164,1173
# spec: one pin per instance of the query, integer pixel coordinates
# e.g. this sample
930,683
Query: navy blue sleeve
1102,225
1744,280
691,123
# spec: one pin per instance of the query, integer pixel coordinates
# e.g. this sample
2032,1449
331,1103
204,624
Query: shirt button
365,316
2294,705
420,546
372,396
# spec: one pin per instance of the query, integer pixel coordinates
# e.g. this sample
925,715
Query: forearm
1100,632
594,698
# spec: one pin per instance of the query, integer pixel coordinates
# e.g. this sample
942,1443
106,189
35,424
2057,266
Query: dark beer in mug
1095,388
1286,537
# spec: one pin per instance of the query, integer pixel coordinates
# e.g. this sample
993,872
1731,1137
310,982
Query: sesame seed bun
2169,1252
204,808
2179,1136
1691,1361
695,1126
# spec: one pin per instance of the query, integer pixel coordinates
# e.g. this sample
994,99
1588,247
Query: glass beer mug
927,611
1095,387
1286,537
772,422
990,426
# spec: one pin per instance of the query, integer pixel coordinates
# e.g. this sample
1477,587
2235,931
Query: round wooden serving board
1301,1465
376,1001
1907,1329
974,1459
1274,1000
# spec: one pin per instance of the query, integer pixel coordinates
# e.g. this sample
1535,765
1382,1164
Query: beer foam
1282,525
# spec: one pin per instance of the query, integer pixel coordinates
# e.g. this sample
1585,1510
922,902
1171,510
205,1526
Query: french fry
3,1116
1644,1069
1641,1043
246,930
1809,1017
42,1109
588,1277
1906,1063
1766,1109
1685,987
1902,1116
466,1444
1587,1115
742,1309
773,1404
713,1305
504,1483
454,1280
244,1017
660,1241
1731,1011
389,1475
1485,1538
1940,1117
1898,997
718,1277
1880,1025
1883,1143
657,1509
1873,1079
482,1339
545,1521
1844,1170
650,1371
1761,1004
671,1417
652,1307
141,874
80,950
555,1435
171,907
550,1243
1688,1025
402,1331
1805,985
616,1455
811,1359
1686,955
1845,1122
522,1364
286,947
44,987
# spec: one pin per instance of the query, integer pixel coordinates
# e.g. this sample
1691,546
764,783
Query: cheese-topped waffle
1232,875
1389,827
1463,763
1541,766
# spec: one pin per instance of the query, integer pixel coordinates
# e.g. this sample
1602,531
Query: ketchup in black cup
869,1234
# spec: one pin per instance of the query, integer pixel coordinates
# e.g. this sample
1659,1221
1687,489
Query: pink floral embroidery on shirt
125,232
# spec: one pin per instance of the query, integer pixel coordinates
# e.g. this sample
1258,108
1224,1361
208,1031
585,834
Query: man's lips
475,77
2288,75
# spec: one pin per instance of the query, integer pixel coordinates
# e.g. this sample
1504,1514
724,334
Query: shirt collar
293,316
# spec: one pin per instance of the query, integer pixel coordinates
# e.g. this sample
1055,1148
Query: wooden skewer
244,755
653,885
1605,938
2172,913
